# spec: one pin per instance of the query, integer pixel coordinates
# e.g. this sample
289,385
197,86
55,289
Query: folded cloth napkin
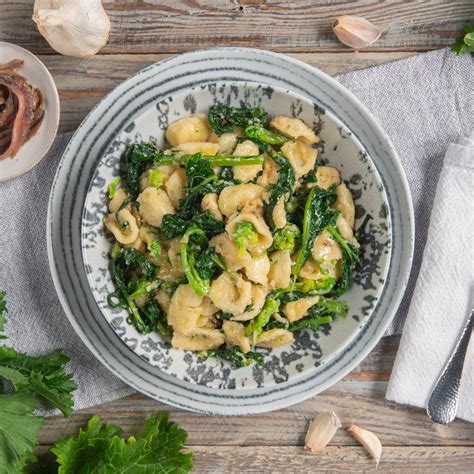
443,293
423,104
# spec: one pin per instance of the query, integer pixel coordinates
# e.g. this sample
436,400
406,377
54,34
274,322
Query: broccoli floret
112,187
244,234
155,178
286,238
154,248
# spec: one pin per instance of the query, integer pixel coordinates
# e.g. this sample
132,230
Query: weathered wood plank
359,402
303,25
282,459
82,82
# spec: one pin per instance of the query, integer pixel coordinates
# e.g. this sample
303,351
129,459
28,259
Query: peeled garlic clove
369,440
73,27
355,31
321,430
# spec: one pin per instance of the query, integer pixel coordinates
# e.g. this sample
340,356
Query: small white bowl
31,153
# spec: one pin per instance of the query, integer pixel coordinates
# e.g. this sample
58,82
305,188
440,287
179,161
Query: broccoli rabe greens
226,241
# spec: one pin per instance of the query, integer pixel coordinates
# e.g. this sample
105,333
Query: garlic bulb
356,32
369,440
73,27
321,430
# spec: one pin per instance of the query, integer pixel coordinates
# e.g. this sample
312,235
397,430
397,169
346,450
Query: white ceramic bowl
31,153
140,109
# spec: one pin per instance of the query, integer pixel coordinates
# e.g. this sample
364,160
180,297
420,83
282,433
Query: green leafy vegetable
258,132
236,357
223,117
316,217
305,287
101,449
244,234
173,225
112,187
465,42
154,248
3,313
208,262
18,430
155,178
189,251
350,257
42,375
286,238
127,263
255,327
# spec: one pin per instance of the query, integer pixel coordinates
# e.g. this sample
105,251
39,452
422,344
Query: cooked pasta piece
279,275
201,339
234,198
235,335
154,204
163,299
257,268
175,187
294,128
345,204
231,293
118,198
279,214
129,233
229,251
296,310
325,248
185,310
227,141
326,176
188,129
269,174
246,172
174,257
274,338
209,202
301,156
346,230
259,295
206,148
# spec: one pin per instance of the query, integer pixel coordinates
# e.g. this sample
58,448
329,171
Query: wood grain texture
82,82
153,26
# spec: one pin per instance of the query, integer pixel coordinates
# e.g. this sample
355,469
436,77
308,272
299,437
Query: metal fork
443,401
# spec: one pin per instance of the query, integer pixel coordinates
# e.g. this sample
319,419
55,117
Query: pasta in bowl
233,236
236,214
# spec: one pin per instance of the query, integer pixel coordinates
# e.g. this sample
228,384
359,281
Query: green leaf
112,187
18,430
465,42
42,375
101,449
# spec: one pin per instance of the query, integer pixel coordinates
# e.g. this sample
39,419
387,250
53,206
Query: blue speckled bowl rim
205,400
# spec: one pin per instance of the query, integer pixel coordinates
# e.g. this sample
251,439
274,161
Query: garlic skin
73,27
355,31
369,440
321,430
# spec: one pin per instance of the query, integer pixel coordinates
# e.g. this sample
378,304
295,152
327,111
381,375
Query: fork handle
443,401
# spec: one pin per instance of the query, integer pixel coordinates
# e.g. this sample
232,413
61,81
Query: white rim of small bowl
54,97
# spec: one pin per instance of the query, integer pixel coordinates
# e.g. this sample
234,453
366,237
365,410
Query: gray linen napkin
422,102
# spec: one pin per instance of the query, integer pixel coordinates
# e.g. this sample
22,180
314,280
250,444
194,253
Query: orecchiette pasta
221,240
345,204
235,335
294,128
231,293
300,155
175,187
274,338
188,129
296,310
154,204
234,198
279,275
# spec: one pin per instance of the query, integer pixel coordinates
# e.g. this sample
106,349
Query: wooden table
147,31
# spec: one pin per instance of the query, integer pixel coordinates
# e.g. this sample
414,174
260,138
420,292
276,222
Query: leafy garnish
173,225
258,132
465,42
42,375
236,357
223,117
101,449
317,216
18,430
112,187
255,327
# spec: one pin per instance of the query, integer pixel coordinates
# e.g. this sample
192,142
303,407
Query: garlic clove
321,430
369,440
355,31
73,27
